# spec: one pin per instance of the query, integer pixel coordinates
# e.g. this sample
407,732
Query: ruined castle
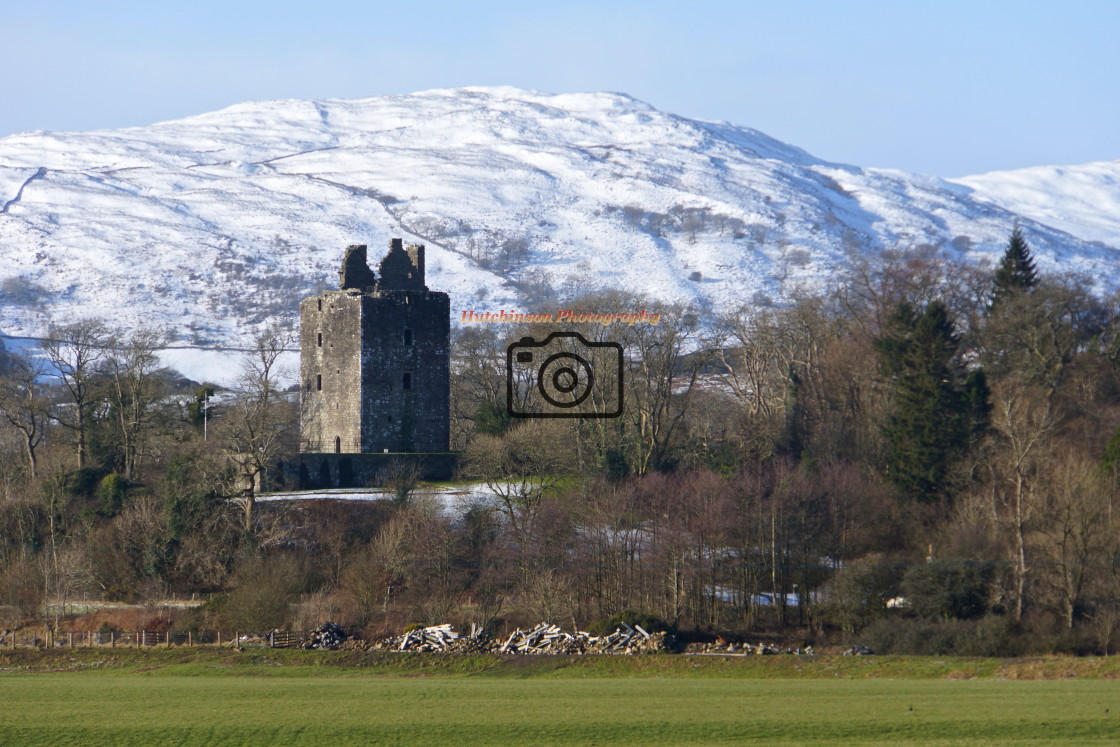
375,359
375,373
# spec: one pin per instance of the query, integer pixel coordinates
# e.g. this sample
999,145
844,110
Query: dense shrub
262,595
111,492
993,635
949,589
84,482
859,593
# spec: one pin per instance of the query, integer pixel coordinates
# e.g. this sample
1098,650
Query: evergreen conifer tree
1016,273
934,414
978,406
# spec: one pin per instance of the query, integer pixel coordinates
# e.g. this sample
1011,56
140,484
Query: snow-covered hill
1081,200
214,224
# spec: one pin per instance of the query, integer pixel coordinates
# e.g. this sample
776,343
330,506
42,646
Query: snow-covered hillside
1081,200
215,224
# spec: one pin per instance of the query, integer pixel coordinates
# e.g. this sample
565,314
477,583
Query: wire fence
150,638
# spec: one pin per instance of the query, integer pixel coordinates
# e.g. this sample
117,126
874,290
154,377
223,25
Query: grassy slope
298,697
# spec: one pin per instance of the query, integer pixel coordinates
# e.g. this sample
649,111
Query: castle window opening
318,382
320,339
320,304
337,445
407,381
408,337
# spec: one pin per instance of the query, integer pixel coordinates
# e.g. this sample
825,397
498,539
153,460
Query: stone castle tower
375,359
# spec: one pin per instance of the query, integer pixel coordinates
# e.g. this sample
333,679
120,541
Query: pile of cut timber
433,638
441,638
541,639
544,639
550,639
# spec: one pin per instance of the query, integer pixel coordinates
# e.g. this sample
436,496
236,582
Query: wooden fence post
190,639
70,636
112,639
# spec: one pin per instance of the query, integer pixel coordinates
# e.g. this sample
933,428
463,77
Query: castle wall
330,367
325,471
406,371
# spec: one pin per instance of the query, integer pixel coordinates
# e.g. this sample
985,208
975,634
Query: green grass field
290,698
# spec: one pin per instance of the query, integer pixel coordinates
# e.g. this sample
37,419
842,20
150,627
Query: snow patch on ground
453,500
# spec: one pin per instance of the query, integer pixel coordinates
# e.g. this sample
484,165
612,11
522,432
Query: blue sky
947,87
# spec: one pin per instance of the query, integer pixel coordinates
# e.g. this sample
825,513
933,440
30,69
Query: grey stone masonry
375,359
355,273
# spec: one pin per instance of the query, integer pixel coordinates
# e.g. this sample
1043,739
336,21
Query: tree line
922,457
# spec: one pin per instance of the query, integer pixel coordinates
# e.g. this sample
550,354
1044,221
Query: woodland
922,457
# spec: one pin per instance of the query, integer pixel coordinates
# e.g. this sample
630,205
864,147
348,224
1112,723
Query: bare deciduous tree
259,424
478,383
22,403
1024,420
521,465
74,351
400,477
136,380
1074,537
665,364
